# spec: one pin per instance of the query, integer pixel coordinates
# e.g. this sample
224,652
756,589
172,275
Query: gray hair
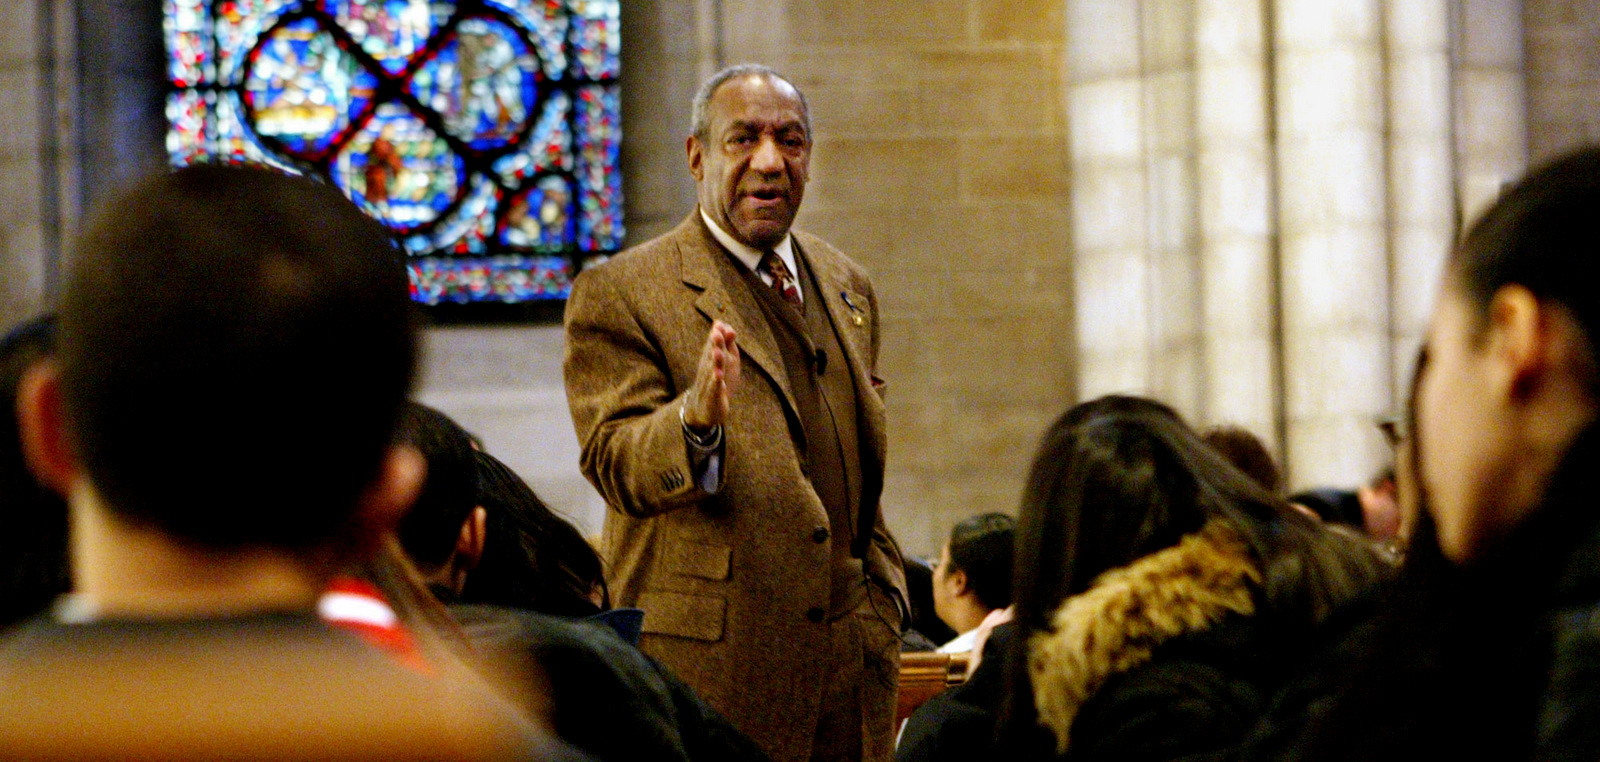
700,118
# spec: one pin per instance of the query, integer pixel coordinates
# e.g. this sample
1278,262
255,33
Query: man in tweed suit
722,382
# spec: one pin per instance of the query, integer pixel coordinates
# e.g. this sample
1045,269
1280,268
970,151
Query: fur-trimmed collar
1116,624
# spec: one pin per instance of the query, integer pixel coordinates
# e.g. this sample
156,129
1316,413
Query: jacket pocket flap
684,615
698,559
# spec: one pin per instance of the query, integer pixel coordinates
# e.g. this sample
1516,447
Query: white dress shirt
752,257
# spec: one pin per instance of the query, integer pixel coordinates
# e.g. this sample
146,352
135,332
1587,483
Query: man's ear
46,443
390,496
696,158
1521,336
469,544
958,578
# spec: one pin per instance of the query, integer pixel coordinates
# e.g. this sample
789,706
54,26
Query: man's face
750,171
1463,451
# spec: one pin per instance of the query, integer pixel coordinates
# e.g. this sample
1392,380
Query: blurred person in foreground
213,317
1487,646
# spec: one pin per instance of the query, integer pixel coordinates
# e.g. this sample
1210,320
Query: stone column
1421,176
1334,287
1490,102
1105,112
1238,291
1172,225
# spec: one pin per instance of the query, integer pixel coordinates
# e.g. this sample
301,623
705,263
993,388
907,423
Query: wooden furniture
924,675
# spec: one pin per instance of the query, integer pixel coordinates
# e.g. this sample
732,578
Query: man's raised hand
715,379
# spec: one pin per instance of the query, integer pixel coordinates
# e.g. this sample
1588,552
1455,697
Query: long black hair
532,558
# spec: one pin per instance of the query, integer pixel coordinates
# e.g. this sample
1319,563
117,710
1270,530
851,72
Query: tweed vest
828,439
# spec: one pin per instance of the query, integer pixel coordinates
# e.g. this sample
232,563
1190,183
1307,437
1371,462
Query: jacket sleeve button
819,535
815,614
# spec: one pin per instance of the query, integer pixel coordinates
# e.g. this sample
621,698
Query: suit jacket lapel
725,296
831,279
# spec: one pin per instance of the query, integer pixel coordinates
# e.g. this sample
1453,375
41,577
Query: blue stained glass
304,89
238,24
486,133
466,230
391,31
548,24
548,148
188,114
400,170
482,81
599,129
499,279
597,38
236,142
540,218
188,35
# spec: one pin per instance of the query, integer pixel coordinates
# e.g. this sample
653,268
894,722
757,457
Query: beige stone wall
941,165
1562,37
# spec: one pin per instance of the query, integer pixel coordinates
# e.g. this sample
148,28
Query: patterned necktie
782,279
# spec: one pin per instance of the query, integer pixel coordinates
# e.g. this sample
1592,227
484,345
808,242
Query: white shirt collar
751,257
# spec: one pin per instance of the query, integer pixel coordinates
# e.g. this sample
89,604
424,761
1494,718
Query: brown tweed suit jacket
726,580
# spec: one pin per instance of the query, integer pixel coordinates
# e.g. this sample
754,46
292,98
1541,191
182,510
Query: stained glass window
485,133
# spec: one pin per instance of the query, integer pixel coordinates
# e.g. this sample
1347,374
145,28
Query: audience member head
532,558
1511,375
33,545
443,533
1247,453
235,347
1380,506
974,573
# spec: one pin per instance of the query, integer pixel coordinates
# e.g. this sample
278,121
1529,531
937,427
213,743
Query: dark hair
1247,453
33,545
981,547
1119,478
236,344
1541,234
430,529
532,558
